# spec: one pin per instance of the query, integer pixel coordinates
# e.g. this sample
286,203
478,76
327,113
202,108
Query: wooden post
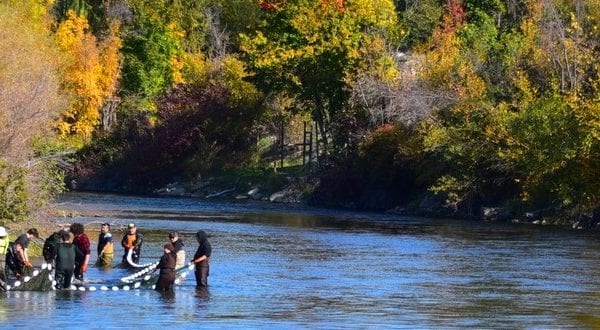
317,140
304,145
282,146
310,143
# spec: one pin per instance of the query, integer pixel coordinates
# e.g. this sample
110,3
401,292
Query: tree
31,96
90,75
313,49
152,57
28,79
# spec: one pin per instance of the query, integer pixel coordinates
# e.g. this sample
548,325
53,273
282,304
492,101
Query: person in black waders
66,254
166,265
201,259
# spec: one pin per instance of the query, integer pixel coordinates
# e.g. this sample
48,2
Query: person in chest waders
201,259
19,257
66,254
166,265
105,246
3,249
82,242
179,251
132,241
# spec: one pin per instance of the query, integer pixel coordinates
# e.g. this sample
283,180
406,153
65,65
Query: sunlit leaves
31,96
29,78
153,57
313,50
90,75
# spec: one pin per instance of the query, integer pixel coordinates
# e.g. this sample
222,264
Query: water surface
275,266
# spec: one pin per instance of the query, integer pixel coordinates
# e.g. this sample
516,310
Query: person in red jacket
82,242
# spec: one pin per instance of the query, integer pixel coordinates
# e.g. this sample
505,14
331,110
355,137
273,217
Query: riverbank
299,189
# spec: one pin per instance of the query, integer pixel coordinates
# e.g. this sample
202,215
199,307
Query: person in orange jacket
132,241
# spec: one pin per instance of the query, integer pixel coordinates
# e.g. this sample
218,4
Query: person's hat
3,232
131,225
169,247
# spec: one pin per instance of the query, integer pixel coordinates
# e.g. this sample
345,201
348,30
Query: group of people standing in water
70,251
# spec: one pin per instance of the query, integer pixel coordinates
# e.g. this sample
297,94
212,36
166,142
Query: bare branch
407,102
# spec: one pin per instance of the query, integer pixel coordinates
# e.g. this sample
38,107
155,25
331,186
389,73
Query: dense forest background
469,102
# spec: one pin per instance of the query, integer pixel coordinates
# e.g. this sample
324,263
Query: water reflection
167,298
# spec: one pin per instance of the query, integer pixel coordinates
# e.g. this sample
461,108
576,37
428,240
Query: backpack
51,246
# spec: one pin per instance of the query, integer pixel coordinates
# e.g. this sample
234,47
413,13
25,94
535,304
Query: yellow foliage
90,75
110,58
177,64
446,68
194,67
29,82
381,13
234,72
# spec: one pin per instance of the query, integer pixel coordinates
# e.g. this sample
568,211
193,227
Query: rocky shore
299,190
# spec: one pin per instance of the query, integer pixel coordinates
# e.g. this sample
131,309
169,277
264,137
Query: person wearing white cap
3,248
132,241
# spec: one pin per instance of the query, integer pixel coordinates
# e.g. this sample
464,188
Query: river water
276,266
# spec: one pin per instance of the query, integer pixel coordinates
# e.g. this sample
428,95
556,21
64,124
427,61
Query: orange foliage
268,5
454,16
90,75
340,4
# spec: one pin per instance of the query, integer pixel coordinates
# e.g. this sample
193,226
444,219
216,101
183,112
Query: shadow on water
281,267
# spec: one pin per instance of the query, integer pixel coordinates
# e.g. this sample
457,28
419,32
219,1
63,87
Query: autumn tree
311,50
517,125
31,96
90,75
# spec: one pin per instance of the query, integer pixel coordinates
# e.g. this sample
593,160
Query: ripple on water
327,269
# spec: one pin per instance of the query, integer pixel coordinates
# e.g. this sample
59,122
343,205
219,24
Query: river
279,266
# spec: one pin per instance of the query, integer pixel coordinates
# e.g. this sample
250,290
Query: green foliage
151,52
512,88
13,193
187,17
312,49
550,156
62,7
240,16
420,19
